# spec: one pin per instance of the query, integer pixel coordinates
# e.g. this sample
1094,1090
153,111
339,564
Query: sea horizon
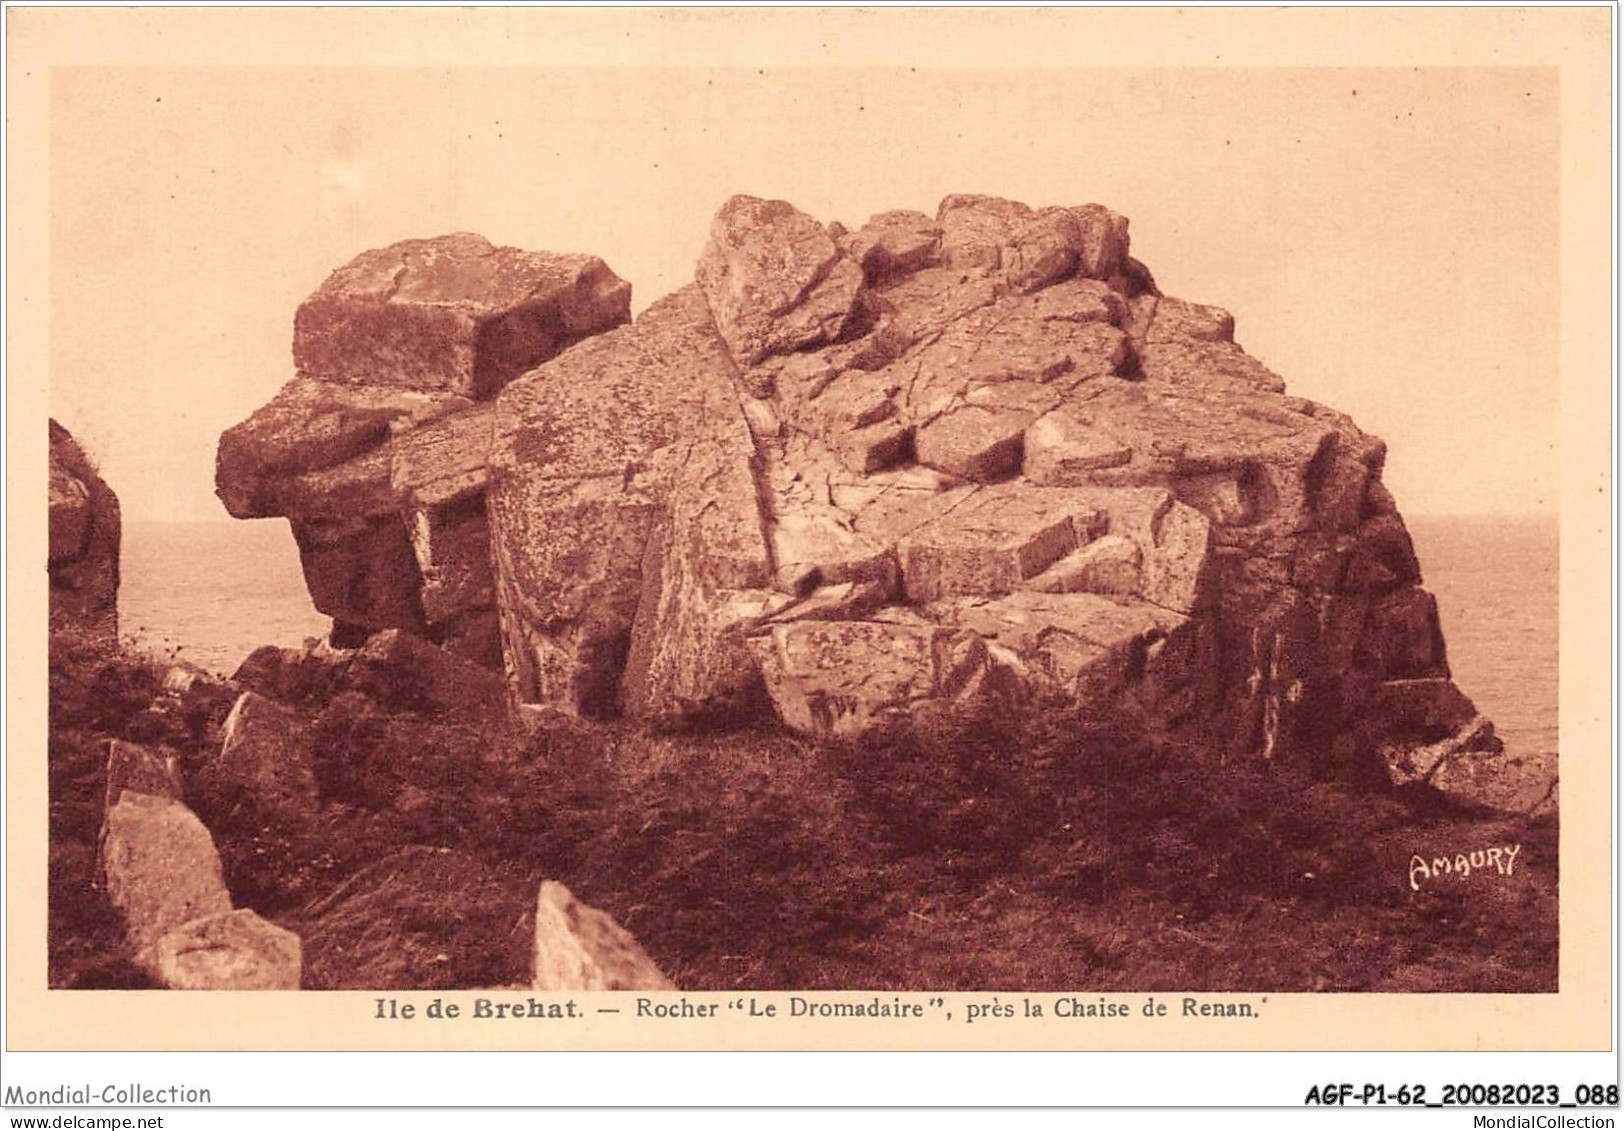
210,591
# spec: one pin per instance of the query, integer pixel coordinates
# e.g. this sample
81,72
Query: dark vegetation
754,859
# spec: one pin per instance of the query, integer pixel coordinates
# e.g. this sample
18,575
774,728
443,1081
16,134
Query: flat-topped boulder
453,314
271,462
994,541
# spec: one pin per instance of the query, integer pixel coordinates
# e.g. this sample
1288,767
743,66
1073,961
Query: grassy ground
754,859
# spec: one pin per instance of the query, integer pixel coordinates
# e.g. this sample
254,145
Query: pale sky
1385,238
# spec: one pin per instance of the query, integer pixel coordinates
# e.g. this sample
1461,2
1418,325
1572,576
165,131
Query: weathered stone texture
775,280
83,542
635,431
581,948
231,950
377,450
265,760
141,769
161,869
452,314
961,462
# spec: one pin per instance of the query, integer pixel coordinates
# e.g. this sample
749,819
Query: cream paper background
1005,80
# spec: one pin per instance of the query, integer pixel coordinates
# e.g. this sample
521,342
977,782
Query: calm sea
1496,584
211,592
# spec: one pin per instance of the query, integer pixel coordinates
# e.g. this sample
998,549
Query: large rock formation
84,542
376,449
953,464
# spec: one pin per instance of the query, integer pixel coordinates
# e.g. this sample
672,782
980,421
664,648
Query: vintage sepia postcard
696,529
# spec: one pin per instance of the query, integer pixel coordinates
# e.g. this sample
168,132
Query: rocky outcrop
84,542
376,449
964,463
622,486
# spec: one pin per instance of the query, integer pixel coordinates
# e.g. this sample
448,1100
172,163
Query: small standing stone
264,753
581,948
161,869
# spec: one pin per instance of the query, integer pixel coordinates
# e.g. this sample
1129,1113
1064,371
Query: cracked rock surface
856,478
84,534
376,450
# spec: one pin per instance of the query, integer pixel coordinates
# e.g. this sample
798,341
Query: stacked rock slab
84,542
940,464
376,450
